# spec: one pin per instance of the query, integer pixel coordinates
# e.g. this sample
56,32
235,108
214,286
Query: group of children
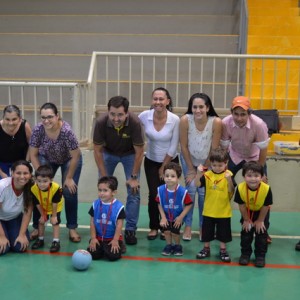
107,213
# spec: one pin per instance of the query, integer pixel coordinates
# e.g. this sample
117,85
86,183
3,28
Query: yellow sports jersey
254,200
47,196
217,196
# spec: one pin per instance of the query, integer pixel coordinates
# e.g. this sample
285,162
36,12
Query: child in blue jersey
174,202
217,210
253,197
107,216
48,199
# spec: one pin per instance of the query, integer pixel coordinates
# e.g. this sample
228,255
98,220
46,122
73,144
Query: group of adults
119,137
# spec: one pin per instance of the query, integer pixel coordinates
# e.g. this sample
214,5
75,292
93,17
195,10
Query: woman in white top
162,133
200,131
15,208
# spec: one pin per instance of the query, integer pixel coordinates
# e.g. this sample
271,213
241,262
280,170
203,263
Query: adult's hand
71,185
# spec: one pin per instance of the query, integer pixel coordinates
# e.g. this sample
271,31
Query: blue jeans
11,229
133,200
71,200
192,190
5,167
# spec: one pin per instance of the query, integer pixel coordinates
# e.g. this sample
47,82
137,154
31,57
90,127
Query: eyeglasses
43,118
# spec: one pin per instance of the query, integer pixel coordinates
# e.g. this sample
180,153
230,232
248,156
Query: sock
55,240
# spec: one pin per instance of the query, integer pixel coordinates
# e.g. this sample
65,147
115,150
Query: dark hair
12,108
117,102
49,105
207,101
253,166
170,105
111,181
173,166
27,188
44,171
219,155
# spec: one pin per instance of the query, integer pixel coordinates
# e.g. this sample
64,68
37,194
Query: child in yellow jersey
253,197
48,199
217,209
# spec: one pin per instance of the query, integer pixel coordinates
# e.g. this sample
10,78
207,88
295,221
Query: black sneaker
259,262
55,247
37,244
168,250
244,260
130,237
297,247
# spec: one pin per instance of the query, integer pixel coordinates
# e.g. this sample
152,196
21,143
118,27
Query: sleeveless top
13,148
105,217
199,142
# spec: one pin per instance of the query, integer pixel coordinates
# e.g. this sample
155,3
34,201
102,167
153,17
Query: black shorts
58,218
216,228
171,228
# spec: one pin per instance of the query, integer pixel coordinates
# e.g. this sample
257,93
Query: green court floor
143,273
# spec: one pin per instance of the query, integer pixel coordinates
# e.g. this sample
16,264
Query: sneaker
297,247
37,244
168,250
205,252
130,237
177,250
244,260
55,247
224,256
259,262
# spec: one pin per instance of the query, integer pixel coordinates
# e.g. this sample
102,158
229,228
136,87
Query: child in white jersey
217,209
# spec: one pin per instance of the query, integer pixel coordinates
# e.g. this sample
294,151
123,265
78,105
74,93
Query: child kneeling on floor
174,202
253,197
107,216
217,210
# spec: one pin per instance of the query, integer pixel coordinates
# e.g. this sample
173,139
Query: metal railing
71,99
271,82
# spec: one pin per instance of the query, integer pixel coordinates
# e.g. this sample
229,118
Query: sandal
205,252
224,256
75,238
151,236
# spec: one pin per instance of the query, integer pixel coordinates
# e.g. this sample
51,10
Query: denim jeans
192,190
133,200
71,200
11,230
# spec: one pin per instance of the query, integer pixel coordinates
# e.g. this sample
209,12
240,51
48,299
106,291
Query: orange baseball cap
240,101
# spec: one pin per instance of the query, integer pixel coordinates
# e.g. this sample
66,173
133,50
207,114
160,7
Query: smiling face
21,175
43,182
49,118
253,179
199,109
160,100
11,121
240,116
117,116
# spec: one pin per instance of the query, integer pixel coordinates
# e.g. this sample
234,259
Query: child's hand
247,225
93,244
178,222
42,220
164,222
115,247
53,220
259,226
201,169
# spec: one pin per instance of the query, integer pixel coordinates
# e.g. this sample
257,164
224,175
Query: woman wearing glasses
54,142
200,131
15,134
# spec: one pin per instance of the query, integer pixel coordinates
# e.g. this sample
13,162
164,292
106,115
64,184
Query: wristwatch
133,176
